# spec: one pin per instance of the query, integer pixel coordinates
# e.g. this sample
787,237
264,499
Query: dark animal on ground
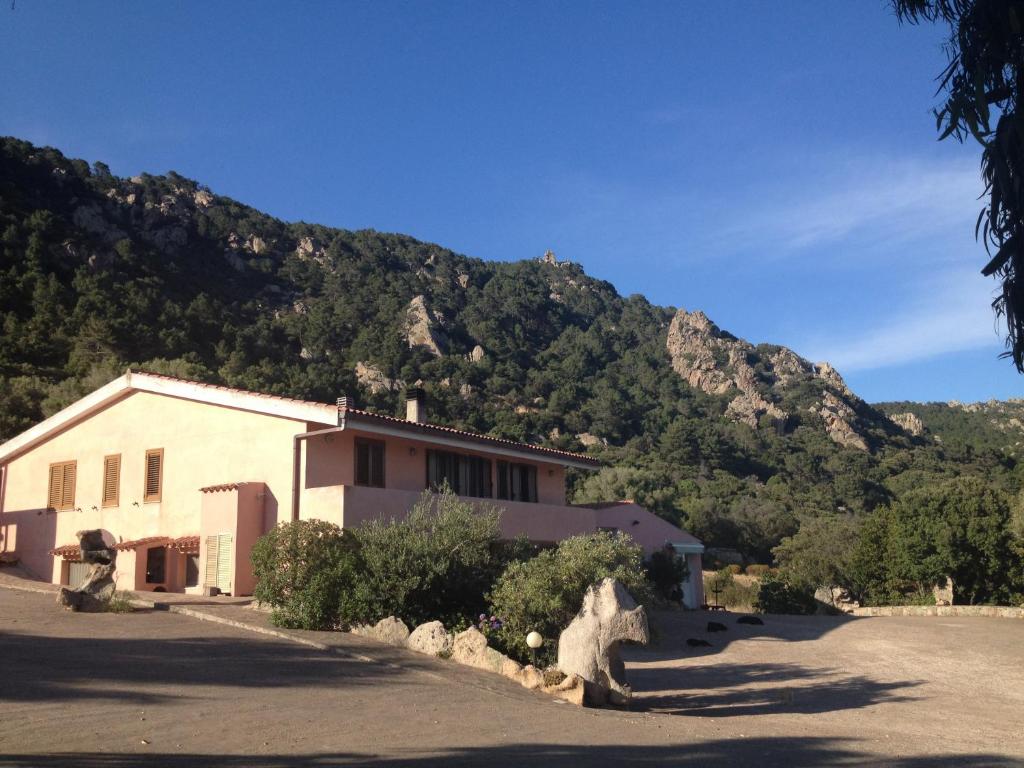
750,620
694,642
714,626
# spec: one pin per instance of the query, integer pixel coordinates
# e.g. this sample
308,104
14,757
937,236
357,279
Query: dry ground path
160,689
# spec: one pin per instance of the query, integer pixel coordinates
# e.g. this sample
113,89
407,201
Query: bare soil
160,689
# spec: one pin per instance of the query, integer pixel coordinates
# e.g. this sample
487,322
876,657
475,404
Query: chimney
415,409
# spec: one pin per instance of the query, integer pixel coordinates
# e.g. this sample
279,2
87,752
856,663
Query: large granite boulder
589,646
470,648
95,593
430,638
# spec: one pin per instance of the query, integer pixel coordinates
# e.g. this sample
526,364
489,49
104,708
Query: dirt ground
160,689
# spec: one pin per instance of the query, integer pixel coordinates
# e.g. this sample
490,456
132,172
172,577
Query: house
184,477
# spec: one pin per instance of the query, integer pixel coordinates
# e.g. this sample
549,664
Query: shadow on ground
45,668
719,690
763,752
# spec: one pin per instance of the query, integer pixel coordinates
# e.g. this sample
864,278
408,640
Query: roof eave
367,423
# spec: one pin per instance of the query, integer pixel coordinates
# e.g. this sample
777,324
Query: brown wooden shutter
111,480
67,494
154,475
56,483
61,492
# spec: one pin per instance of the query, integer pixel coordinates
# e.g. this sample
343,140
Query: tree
983,85
818,555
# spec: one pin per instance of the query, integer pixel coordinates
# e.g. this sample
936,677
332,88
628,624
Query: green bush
437,564
545,593
776,595
666,570
304,570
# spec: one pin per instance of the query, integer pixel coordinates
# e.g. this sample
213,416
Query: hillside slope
737,441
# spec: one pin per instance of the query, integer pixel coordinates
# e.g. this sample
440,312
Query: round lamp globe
534,640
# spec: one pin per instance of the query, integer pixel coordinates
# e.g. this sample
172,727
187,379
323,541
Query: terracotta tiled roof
149,541
402,423
221,487
68,551
221,388
413,426
185,544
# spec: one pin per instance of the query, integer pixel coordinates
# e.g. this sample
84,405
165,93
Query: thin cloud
956,316
867,202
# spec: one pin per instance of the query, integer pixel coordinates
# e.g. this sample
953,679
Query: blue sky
773,164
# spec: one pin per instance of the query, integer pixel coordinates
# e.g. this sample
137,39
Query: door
77,573
219,561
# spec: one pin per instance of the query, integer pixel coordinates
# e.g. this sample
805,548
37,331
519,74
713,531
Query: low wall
996,611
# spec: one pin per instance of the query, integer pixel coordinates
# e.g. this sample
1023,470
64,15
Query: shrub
545,593
735,569
303,571
722,588
666,571
757,569
437,564
776,595
120,602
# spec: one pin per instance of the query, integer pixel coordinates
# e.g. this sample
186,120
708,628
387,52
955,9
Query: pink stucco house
184,477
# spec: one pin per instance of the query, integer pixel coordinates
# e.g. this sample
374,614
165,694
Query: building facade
183,477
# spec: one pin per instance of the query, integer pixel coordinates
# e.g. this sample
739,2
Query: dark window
191,570
517,482
370,463
156,559
466,475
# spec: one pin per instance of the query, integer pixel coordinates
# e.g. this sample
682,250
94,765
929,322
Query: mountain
739,442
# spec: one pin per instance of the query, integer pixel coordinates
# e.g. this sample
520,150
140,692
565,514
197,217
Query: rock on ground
430,638
589,646
95,593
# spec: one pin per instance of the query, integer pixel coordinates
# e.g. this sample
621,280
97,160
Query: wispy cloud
952,313
868,201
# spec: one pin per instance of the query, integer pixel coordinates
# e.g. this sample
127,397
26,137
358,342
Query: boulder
589,646
94,594
391,631
530,677
573,689
470,648
430,638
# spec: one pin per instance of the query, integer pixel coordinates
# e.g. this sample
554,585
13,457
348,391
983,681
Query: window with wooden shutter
111,480
61,493
153,482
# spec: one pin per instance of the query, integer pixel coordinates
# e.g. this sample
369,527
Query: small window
153,482
62,485
517,482
111,480
370,463
156,564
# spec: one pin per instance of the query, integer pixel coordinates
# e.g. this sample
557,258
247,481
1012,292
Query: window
62,485
517,482
156,561
370,463
153,482
111,480
465,475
